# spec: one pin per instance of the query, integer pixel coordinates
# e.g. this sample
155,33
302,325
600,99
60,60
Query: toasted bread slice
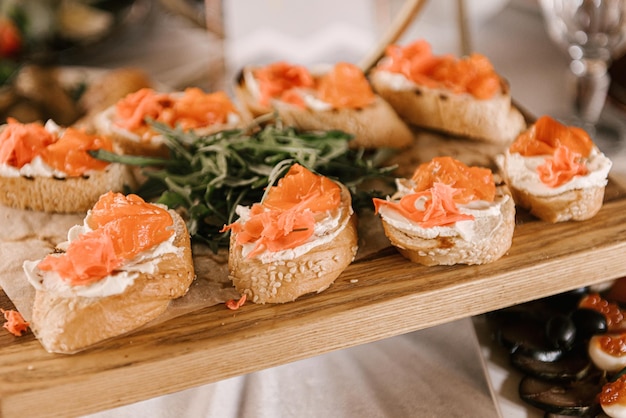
283,280
578,202
490,238
493,120
67,324
373,126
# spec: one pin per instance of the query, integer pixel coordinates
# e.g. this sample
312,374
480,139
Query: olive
560,331
589,322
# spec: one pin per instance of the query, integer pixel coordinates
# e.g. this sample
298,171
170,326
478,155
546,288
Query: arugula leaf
207,177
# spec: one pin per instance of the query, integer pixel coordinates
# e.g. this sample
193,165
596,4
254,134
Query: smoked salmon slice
547,134
66,152
122,227
565,148
286,218
20,143
472,183
192,109
473,74
343,86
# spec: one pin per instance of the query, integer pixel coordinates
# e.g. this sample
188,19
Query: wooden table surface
378,296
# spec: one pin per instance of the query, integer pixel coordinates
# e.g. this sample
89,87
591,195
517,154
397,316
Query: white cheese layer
522,173
147,262
327,227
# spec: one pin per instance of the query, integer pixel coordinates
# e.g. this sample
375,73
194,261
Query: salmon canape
296,241
130,121
556,171
336,97
116,271
49,168
460,96
449,213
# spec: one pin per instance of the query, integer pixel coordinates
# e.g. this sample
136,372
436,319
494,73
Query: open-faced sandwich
336,98
128,121
556,172
459,96
48,168
116,272
296,241
449,213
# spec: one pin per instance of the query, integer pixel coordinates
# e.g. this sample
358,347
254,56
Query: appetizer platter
226,322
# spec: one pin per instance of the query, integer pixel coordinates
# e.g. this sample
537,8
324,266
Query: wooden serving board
378,296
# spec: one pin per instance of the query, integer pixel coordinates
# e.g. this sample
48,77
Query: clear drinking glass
590,31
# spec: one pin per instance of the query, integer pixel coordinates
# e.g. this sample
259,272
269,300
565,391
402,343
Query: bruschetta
556,171
48,168
449,213
116,272
459,96
128,121
296,241
339,97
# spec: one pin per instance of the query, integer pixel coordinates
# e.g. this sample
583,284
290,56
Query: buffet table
371,346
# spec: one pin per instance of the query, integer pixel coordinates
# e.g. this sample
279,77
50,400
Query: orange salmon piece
345,86
196,109
280,77
286,217
472,183
474,74
561,168
20,143
415,61
302,185
69,153
123,227
15,322
132,110
547,134
432,207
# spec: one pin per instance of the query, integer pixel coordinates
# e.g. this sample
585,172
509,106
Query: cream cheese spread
522,173
147,262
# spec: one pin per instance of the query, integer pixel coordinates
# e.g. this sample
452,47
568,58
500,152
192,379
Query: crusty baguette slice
576,205
374,126
70,324
494,120
492,238
283,281
62,195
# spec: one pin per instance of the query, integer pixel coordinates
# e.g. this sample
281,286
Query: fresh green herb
207,177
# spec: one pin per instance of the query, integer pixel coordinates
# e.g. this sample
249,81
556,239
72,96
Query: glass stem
591,84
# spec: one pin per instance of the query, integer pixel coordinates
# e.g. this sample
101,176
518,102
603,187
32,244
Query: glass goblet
590,31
